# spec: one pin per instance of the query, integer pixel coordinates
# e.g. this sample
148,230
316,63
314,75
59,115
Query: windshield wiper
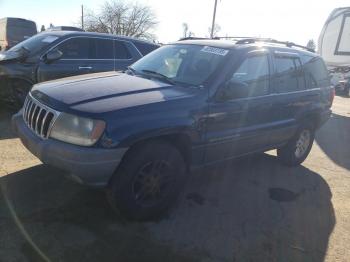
132,70
161,76
25,49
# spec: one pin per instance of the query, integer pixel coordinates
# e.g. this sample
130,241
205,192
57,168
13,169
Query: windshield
35,43
188,64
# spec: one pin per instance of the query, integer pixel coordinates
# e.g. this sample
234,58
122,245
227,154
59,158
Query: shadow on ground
252,209
333,138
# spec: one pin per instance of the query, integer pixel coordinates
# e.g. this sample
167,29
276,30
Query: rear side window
76,48
254,71
316,73
104,49
121,51
145,48
288,76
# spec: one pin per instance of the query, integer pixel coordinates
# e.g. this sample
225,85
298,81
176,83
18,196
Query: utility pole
213,23
82,17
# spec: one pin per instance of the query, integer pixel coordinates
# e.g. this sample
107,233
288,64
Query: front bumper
86,165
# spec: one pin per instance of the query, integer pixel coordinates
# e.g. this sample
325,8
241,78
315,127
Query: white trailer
334,46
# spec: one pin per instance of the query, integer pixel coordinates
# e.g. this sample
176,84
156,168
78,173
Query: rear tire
148,181
299,147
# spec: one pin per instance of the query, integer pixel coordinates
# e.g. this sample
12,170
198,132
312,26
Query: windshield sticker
214,50
49,39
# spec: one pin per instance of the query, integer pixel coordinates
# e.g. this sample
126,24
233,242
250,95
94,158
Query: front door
240,125
76,60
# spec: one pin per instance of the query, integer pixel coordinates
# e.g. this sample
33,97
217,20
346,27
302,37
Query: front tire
148,181
299,147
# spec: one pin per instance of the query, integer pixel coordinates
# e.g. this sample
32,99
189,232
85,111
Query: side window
121,51
300,74
254,72
76,48
286,77
104,49
316,73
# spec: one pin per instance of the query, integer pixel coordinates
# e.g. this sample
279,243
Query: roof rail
251,40
214,38
198,38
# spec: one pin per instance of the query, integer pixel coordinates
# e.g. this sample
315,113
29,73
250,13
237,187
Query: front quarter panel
176,117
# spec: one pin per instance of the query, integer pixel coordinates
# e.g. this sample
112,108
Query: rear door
240,125
77,59
102,58
125,54
291,96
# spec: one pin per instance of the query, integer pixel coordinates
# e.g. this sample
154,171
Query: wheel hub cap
302,143
151,182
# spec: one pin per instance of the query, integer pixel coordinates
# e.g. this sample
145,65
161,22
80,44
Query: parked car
340,77
65,28
15,30
57,54
343,87
186,105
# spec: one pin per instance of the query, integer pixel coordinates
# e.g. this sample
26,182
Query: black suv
185,105
57,54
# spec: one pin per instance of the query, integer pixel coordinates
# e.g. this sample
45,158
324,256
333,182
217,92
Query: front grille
38,117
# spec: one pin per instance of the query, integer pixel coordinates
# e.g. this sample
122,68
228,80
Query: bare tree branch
118,17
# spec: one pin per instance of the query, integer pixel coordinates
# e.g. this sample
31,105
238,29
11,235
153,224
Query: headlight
77,130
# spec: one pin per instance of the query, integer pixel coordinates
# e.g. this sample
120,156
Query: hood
103,92
9,55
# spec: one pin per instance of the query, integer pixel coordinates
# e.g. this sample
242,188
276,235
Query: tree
42,28
217,29
311,44
118,17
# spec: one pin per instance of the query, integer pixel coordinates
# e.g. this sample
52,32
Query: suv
186,105
57,54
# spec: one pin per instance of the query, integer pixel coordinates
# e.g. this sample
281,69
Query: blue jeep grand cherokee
185,105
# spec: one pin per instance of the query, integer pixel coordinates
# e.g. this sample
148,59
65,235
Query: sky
288,20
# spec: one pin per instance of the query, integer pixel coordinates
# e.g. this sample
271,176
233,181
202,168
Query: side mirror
234,89
53,55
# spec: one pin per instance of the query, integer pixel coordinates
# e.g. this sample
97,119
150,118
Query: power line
213,23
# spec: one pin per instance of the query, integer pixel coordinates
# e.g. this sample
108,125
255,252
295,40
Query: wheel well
181,142
19,80
7,84
313,119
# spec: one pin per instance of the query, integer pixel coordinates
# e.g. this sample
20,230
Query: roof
245,43
95,34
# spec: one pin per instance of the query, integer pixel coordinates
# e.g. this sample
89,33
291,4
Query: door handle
85,67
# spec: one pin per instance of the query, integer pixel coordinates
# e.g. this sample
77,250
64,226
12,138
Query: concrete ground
251,209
